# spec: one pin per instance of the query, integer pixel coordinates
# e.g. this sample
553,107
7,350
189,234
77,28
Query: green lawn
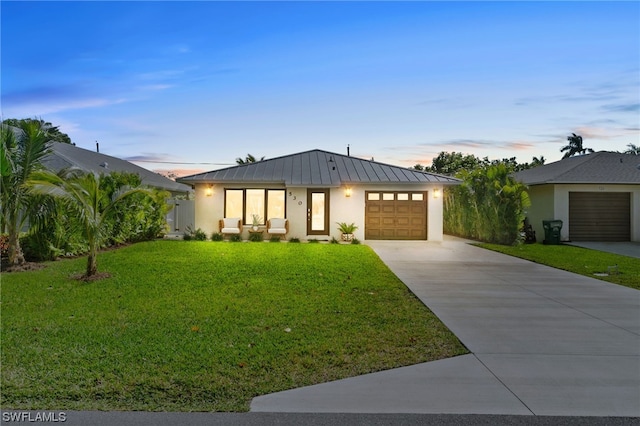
206,326
576,259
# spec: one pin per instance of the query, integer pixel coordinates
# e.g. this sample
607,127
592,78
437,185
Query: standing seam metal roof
318,168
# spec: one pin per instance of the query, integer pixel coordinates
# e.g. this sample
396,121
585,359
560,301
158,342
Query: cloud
179,172
42,107
150,158
629,107
155,87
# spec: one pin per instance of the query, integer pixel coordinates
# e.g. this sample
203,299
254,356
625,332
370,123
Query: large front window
245,203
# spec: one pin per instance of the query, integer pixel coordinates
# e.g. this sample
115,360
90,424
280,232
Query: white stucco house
316,189
596,196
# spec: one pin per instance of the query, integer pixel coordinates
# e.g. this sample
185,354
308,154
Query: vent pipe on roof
348,151
97,147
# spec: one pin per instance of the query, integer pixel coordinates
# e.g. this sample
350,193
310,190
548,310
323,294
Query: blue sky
177,84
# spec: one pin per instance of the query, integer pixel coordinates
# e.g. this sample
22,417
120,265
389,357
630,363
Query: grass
577,259
206,326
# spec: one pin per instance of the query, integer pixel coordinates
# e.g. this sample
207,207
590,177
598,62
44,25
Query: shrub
36,248
194,234
256,236
355,241
274,239
216,236
488,206
313,241
235,238
294,240
334,241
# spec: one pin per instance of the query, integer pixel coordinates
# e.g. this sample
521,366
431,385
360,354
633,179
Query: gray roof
64,155
597,168
318,168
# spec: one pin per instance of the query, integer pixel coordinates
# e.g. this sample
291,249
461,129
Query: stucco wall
209,209
542,202
557,196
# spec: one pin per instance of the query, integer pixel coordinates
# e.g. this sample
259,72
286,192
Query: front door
317,211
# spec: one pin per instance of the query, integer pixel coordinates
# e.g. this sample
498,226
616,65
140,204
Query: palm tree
633,149
574,147
82,194
22,149
248,159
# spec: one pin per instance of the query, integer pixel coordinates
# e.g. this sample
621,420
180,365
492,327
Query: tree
82,194
54,131
450,163
488,206
22,149
574,147
633,149
248,159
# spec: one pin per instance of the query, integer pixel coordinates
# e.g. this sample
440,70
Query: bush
294,240
334,241
191,234
36,248
256,236
355,241
488,206
313,241
216,236
236,238
274,239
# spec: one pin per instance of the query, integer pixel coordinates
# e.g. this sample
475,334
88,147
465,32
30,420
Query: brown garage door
600,216
395,215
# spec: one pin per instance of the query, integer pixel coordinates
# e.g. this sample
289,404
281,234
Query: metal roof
597,168
318,168
64,155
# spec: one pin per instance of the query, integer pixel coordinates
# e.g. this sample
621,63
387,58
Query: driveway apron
543,342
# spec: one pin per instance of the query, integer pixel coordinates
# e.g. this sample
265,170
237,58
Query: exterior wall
542,203
552,202
210,209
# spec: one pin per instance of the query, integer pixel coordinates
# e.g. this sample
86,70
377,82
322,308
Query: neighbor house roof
596,168
318,168
64,155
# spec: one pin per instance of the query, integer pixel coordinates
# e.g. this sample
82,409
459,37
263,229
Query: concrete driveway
543,342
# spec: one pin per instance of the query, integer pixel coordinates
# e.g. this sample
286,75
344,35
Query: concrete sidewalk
544,342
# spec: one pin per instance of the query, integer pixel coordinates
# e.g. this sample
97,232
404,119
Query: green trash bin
552,231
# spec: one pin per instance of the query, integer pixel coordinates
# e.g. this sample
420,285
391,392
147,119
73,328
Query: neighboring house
315,189
597,196
65,155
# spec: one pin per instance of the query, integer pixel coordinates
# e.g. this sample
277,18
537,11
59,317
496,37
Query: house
316,189
596,196
63,155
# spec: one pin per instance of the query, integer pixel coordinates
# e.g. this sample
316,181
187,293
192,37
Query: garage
395,215
599,216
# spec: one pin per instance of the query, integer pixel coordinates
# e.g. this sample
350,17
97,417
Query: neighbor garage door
395,215
599,216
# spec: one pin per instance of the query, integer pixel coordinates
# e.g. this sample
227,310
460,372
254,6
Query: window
233,203
373,196
388,196
275,206
254,205
244,203
403,197
417,196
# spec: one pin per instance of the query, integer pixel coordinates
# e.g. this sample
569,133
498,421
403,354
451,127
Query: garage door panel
595,216
396,216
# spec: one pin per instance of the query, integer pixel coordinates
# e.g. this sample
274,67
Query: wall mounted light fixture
436,193
209,191
347,191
